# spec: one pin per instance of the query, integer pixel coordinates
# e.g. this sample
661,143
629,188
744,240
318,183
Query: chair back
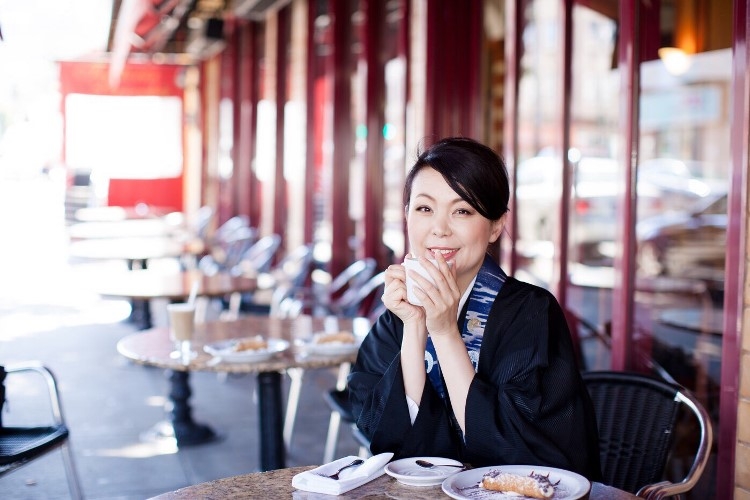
295,267
637,416
203,221
364,300
344,291
21,444
259,257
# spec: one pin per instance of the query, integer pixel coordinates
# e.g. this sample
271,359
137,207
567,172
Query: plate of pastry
246,350
514,481
332,344
408,471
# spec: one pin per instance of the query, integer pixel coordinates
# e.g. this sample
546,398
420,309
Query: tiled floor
48,313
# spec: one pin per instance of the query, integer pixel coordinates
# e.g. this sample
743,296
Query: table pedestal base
185,430
270,413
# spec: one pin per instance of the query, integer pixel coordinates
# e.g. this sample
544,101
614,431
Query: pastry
251,344
332,338
532,486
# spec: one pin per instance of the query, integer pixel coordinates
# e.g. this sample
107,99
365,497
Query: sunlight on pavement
39,289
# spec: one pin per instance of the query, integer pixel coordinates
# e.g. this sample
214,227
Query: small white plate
406,471
465,485
225,351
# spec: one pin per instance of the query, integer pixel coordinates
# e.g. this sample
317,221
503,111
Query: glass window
596,178
539,159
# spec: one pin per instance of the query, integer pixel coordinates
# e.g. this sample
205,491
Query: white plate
465,485
225,351
407,471
331,348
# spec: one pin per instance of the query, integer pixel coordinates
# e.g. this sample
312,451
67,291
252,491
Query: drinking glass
181,327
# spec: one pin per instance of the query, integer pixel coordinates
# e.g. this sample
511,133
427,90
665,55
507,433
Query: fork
335,475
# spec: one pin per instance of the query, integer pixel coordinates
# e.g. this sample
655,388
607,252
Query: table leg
141,313
272,451
186,431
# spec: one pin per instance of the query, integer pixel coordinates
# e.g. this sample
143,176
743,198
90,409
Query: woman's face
439,220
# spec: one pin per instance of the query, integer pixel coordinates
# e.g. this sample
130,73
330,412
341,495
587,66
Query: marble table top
278,484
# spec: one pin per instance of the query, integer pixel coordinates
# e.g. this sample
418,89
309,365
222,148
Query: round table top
135,248
154,347
278,484
144,284
128,228
115,213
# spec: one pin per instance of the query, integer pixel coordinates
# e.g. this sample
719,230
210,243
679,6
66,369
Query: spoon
335,475
430,465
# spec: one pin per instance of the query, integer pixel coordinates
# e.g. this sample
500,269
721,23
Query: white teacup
412,264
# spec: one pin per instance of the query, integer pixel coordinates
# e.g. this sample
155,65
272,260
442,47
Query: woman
484,371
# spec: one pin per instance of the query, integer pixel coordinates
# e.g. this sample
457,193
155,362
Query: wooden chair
638,417
21,445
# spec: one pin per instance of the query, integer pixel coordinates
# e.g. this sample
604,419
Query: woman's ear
497,227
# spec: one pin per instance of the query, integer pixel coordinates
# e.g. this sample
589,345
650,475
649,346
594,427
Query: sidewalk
48,314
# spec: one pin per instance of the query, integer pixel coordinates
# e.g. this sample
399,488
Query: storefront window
539,157
684,159
595,179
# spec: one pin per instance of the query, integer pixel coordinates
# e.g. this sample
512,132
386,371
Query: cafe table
136,250
153,347
278,484
142,285
116,213
128,228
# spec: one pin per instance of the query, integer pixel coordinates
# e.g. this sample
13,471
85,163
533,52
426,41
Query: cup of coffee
412,264
181,320
181,327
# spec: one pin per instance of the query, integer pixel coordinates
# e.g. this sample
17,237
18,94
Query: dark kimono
527,404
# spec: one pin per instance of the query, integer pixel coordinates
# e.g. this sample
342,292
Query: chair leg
74,486
332,438
335,421
295,387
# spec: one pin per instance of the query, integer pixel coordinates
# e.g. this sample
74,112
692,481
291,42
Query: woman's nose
440,227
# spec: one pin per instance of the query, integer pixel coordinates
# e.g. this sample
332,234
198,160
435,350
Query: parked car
690,244
596,187
666,187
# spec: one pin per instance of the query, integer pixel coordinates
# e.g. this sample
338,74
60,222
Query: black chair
370,305
21,445
638,418
341,411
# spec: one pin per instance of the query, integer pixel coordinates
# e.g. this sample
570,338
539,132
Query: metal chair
341,411
638,416
21,445
361,298
367,300
259,257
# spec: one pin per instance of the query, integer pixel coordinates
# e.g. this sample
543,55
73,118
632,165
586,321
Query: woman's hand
394,296
439,300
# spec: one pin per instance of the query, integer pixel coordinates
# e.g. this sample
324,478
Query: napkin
312,480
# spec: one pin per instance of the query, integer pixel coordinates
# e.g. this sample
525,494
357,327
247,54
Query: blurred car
690,244
596,188
665,186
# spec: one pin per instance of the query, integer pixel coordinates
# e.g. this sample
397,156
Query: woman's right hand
394,296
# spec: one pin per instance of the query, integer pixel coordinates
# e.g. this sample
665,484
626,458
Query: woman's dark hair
474,171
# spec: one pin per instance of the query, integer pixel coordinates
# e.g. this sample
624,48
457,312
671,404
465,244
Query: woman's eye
463,211
423,208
